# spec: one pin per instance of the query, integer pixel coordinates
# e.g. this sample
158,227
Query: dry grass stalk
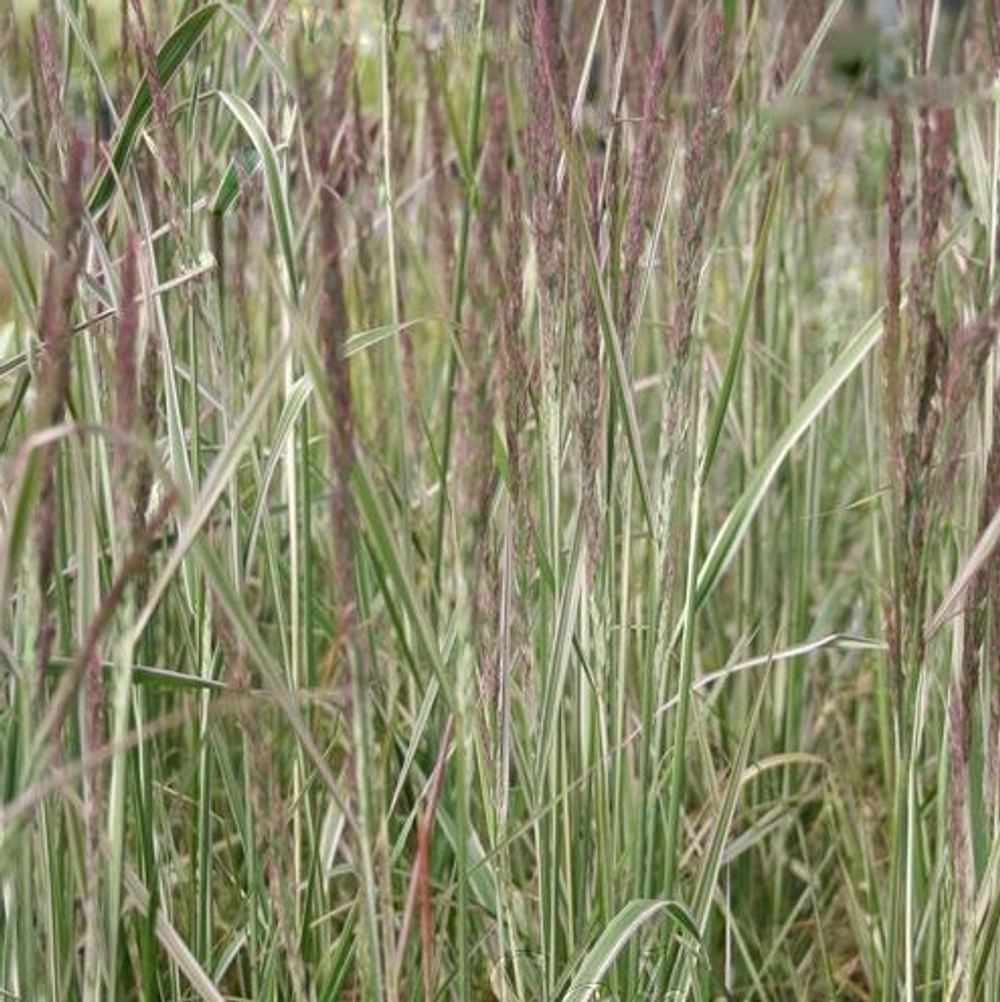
590,390
333,324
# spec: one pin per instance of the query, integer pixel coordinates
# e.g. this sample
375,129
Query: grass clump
498,501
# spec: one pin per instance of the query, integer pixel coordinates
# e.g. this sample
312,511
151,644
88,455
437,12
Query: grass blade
169,60
277,194
616,937
737,524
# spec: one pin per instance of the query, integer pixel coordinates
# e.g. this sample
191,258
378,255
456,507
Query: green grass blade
736,351
173,943
737,524
157,677
277,194
555,678
973,563
169,60
616,937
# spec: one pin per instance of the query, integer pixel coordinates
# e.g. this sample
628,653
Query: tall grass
499,501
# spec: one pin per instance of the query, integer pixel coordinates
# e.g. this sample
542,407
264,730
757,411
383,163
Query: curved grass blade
736,352
981,552
616,937
174,945
833,641
364,340
295,400
251,124
736,525
169,60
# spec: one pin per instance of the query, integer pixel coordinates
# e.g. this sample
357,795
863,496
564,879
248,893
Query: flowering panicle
475,401
54,372
443,187
641,175
45,58
545,127
916,379
126,375
932,378
336,176
702,184
161,107
800,22
513,374
701,195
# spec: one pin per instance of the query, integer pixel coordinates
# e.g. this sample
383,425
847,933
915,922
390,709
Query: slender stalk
685,681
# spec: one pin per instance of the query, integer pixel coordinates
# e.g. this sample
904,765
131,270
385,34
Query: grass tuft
499,501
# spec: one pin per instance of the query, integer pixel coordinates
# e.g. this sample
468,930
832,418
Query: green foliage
498,503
